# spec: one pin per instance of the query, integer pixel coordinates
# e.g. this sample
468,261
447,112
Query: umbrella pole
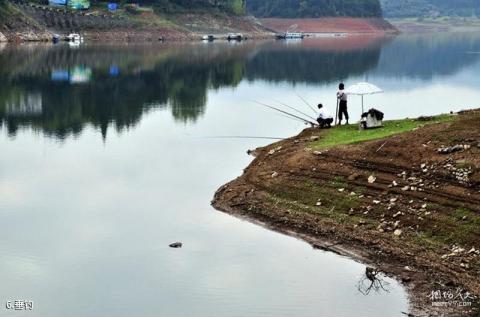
336,113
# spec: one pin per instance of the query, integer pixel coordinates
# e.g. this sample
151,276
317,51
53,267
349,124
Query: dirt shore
331,25
396,204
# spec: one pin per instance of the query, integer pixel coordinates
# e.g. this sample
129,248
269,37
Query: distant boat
209,38
290,35
234,37
74,37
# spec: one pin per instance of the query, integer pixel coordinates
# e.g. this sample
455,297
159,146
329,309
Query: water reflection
58,90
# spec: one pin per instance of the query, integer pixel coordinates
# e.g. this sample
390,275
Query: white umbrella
363,89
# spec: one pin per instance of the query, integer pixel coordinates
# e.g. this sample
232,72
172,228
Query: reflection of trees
298,65
146,80
178,77
426,56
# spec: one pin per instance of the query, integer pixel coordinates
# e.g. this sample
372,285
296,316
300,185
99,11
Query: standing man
342,97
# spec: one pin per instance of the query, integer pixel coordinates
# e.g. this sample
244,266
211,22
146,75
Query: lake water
110,153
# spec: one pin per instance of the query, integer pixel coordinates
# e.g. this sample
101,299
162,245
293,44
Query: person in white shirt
342,97
324,118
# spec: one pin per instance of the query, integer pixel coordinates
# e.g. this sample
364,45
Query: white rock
274,174
397,232
2,37
372,179
271,152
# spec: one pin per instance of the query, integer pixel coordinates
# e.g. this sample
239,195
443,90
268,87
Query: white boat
74,37
290,35
234,37
209,38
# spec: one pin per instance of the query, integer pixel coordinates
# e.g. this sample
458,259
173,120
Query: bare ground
330,25
418,220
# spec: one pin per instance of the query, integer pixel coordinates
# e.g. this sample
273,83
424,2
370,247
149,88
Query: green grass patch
348,134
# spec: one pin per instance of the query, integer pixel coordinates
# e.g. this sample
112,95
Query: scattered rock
405,188
175,245
314,138
397,214
317,153
452,149
341,189
397,232
2,37
353,177
372,179
274,174
272,151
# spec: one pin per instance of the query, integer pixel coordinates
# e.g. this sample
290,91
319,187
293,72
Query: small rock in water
176,245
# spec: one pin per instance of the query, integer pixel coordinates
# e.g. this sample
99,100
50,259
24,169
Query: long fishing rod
314,111
301,112
288,117
243,137
285,112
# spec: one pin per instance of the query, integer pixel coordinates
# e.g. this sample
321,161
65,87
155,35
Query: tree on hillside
314,8
425,8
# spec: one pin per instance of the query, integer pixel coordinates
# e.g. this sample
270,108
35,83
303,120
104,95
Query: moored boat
290,35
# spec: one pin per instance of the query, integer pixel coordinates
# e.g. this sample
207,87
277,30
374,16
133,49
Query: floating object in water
175,245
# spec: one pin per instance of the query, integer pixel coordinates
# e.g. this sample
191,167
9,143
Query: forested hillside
235,6
314,8
430,8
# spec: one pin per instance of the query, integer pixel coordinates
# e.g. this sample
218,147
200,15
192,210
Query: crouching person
324,119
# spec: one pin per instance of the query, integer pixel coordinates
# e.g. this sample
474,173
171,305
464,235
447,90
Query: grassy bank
349,134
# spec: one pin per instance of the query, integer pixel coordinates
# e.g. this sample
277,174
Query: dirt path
394,203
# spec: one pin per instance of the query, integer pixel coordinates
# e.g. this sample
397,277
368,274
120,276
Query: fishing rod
288,117
285,112
243,137
301,112
314,111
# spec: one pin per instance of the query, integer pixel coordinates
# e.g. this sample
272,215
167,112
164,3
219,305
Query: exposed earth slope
396,202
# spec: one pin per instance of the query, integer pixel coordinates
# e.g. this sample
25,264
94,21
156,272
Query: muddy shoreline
279,190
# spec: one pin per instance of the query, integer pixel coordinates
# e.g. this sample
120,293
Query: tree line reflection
58,90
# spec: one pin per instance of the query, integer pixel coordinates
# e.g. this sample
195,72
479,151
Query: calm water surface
109,153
